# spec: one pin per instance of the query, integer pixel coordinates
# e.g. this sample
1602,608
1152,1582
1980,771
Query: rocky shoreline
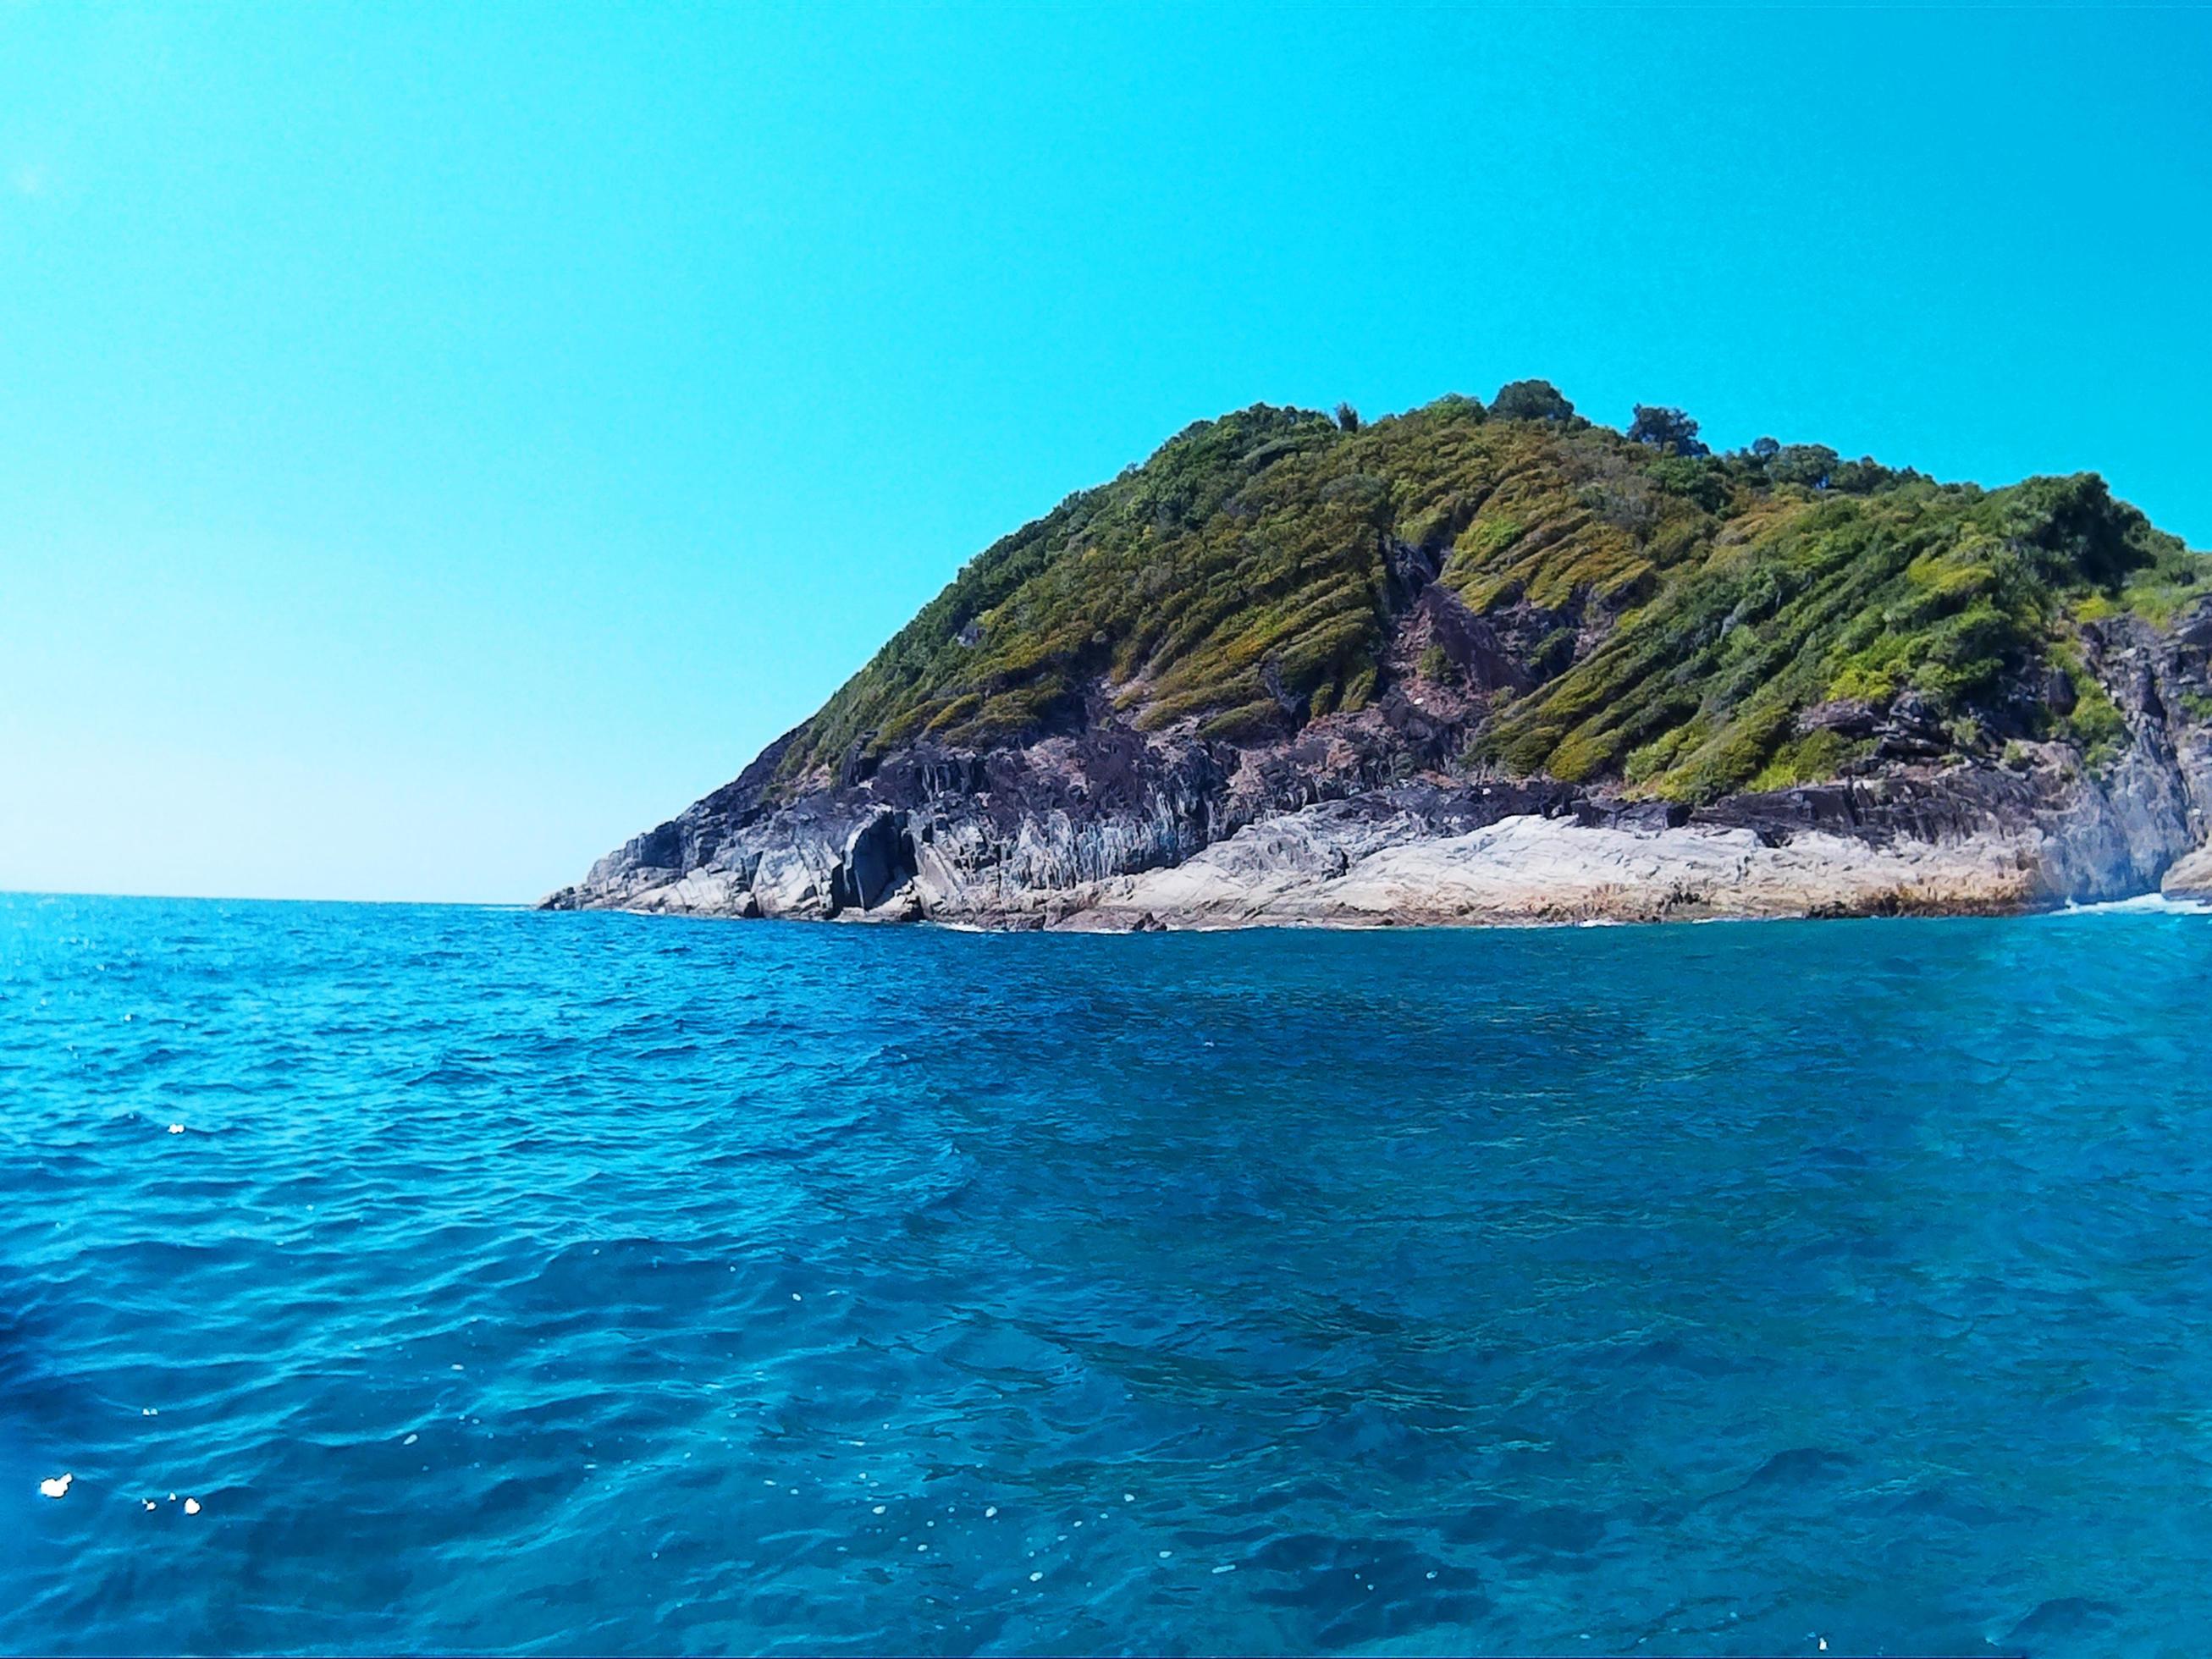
1107,828
1339,864
1462,668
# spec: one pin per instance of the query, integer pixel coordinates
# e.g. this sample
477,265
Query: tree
2079,528
1669,430
1802,464
1530,400
1766,448
1347,417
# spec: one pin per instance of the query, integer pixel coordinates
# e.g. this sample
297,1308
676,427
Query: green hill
1668,614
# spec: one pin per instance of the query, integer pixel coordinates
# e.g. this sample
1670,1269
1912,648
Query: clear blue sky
439,441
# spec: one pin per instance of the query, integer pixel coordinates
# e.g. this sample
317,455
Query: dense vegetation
1677,609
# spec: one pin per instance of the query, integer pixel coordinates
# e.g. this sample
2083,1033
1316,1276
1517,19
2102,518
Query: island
1493,664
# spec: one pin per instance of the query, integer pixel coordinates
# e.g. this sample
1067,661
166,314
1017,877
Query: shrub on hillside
1530,400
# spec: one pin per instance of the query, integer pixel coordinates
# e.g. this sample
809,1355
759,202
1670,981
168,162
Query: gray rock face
2191,878
876,858
1368,819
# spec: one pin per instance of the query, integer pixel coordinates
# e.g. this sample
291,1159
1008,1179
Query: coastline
1330,867
1377,818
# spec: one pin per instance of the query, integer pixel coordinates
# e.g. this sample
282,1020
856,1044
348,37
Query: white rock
1315,868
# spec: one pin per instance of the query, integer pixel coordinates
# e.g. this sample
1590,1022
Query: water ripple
526,1282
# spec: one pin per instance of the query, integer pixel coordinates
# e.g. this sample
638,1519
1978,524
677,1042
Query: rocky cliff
1493,665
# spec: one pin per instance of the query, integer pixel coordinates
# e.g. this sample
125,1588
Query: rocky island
1493,664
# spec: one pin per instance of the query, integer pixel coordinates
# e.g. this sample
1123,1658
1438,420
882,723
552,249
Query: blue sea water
553,1282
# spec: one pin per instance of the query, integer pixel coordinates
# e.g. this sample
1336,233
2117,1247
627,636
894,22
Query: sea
437,1279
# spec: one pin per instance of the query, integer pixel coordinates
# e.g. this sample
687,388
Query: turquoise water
592,1282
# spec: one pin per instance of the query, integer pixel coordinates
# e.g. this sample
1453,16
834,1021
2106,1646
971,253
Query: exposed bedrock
2189,878
1472,666
1362,821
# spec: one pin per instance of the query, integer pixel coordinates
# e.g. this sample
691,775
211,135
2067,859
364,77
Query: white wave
2142,904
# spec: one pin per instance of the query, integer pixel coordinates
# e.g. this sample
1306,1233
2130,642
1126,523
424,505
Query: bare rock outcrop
1117,831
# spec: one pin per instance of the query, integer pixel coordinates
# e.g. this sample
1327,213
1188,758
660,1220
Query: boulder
2191,878
1851,717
